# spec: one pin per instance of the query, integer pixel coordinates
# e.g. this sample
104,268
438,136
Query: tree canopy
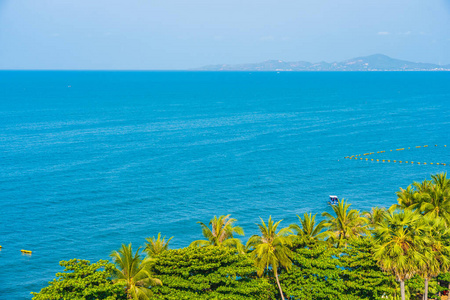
82,280
208,273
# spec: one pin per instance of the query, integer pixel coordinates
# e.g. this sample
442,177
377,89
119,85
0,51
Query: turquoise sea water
90,160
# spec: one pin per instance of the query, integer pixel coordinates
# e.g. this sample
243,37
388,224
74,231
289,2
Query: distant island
376,62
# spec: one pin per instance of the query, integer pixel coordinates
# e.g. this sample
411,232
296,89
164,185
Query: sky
181,34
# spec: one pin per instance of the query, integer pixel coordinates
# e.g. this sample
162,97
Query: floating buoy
26,251
355,156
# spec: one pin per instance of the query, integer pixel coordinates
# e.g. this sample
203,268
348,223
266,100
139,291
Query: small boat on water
333,200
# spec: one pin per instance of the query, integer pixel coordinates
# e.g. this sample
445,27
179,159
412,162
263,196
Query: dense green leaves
208,273
362,275
315,274
382,254
82,280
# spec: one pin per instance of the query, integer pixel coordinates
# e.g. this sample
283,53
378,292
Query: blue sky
167,34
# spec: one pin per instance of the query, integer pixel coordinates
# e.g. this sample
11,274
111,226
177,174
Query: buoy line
361,157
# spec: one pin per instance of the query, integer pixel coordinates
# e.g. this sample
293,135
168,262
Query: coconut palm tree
155,246
309,231
436,250
134,273
270,250
375,216
408,198
221,233
399,241
436,202
441,180
346,224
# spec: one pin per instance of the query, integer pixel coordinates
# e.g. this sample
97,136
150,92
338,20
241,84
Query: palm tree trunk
425,294
402,289
278,282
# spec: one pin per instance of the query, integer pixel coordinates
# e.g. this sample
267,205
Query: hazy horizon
178,35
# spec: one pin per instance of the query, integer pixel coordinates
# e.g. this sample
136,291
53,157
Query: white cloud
383,33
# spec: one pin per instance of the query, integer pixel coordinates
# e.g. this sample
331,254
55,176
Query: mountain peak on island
375,62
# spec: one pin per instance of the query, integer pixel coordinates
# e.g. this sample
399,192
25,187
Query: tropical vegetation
400,252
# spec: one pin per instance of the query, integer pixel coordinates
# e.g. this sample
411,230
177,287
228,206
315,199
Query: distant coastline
372,63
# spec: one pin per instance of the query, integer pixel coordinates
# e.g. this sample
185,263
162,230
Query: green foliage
363,257
221,233
82,280
133,272
345,225
271,249
362,276
415,286
208,273
308,230
155,246
398,241
315,274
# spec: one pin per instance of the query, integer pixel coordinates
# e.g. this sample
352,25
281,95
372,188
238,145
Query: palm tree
134,273
408,198
346,225
155,246
221,233
441,180
375,216
436,251
309,230
271,249
436,202
399,241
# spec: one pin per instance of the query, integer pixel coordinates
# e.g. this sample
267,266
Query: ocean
91,160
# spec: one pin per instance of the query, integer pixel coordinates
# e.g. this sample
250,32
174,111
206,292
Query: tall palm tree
436,251
155,246
271,249
346,224
399,241
221,233
309,231
134,273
